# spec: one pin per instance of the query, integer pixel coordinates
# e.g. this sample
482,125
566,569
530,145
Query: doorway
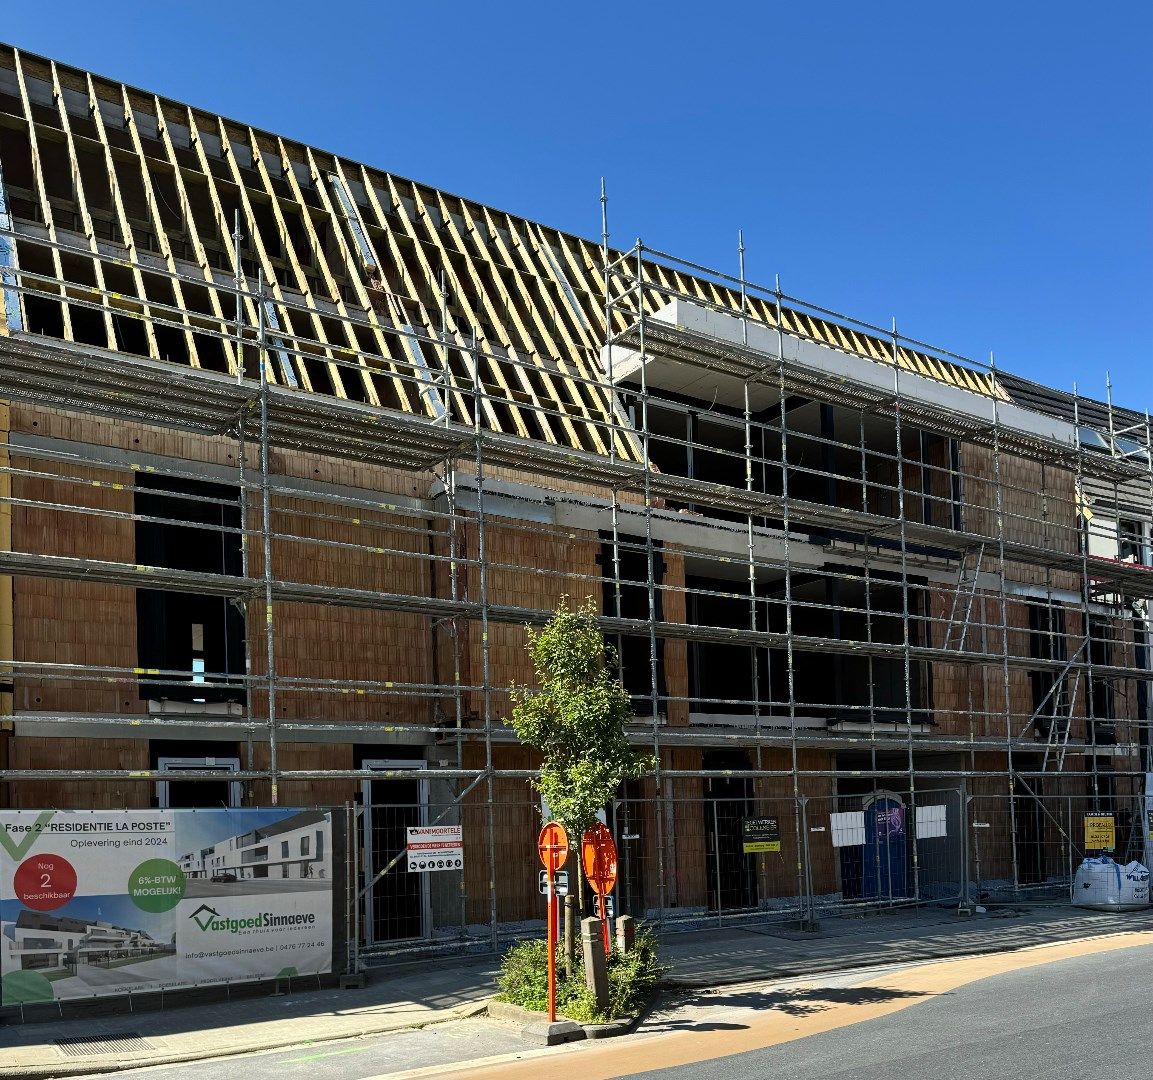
397,905
884,860
730,873
209,794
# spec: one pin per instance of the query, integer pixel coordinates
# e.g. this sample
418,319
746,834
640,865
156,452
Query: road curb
528,1019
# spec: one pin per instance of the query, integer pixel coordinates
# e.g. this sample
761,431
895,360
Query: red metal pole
551,951
602,910
554,917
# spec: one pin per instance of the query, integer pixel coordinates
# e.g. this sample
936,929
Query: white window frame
197,764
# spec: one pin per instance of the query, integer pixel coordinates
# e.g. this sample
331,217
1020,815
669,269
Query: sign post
552,846
599,855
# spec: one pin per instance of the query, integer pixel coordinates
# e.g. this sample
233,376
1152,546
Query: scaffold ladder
957,628
1061,722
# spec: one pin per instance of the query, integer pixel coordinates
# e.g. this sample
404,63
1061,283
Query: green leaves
576,718
633,977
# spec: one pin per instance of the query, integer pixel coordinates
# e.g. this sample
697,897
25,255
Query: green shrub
523,977
633,976
523,980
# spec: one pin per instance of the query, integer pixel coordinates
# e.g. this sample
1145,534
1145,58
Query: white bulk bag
1104,885
1134,886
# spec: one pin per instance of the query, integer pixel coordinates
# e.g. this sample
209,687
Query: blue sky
980,171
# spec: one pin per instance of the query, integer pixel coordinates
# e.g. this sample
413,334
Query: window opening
198,640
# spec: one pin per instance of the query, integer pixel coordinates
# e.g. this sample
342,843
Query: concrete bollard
596,971
626,934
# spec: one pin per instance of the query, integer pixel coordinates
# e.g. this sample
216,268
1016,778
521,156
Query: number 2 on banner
44,882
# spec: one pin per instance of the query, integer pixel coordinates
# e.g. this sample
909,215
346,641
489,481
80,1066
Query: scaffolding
773,490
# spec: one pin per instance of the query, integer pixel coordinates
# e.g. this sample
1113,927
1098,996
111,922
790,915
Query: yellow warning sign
1100,833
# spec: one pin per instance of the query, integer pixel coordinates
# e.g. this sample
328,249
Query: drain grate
123,1042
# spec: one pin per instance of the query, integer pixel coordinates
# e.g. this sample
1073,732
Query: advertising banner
96,902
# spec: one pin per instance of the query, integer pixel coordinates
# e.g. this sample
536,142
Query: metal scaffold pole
485,649
1002,596
804,898
666,805
750,534
266,541
907,663
1085,529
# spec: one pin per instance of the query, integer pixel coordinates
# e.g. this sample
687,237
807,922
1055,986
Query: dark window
199,637
1131,544
1102,690
635,651
1047,641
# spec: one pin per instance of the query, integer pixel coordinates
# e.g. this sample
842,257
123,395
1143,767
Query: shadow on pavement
812,999
693,1025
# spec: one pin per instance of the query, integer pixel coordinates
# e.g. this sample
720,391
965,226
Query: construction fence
687,864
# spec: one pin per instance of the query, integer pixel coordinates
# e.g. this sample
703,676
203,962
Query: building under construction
294,449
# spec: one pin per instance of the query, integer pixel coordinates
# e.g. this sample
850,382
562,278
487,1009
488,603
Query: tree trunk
573,912
569,935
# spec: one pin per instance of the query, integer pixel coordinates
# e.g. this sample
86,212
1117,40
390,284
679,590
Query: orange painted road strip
643,1053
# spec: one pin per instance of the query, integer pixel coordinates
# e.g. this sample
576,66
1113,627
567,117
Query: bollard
596,971
626,934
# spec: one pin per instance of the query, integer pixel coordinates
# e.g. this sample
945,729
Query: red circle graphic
44,882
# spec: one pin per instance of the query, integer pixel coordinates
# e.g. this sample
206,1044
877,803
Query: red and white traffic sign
552,846
599,854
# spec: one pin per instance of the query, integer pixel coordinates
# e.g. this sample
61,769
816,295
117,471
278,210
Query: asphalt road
1086,1017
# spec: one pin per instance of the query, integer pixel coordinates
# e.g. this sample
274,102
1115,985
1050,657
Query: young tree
576,718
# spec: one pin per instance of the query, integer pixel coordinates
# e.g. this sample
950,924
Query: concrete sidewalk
773,951
436,991
399,1000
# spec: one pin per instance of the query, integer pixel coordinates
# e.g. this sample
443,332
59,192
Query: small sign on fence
435,847
848,828
1100,832
760,835
932,821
